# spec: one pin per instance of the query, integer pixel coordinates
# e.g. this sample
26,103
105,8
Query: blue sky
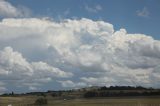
55,44
121,13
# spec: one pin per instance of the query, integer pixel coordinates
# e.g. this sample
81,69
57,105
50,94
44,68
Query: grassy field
29,100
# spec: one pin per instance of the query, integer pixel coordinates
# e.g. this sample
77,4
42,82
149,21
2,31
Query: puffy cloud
92,81
12,63
69,83
8,10
32,88
41,68
16,69
90,50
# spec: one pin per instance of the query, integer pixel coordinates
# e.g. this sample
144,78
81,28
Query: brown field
29,100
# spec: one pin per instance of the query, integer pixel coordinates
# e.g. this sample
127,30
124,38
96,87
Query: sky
55,44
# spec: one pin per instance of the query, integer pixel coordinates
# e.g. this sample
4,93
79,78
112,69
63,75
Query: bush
41,101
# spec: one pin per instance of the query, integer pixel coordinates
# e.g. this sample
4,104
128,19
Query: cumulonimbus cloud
91,52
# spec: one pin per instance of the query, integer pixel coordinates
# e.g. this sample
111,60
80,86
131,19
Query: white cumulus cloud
16,69
8,10
89,53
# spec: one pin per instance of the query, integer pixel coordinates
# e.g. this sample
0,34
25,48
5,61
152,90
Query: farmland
92,96
131,101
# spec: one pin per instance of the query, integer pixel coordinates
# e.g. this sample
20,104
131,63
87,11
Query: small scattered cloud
8,10
143,13
93,9
32,88
71,84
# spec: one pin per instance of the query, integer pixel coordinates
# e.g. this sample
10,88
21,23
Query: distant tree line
119,91
89,94
104,91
